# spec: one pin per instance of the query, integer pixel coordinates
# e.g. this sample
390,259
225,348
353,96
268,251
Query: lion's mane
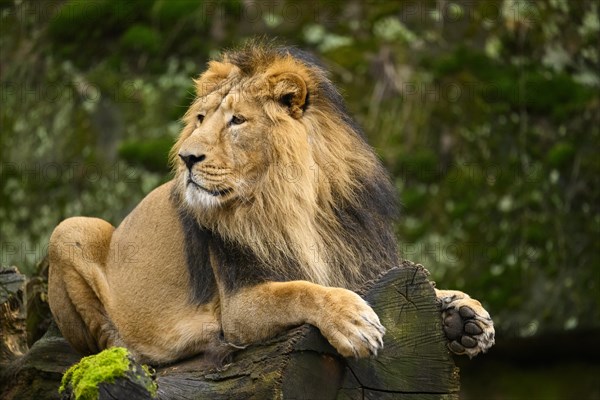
326,208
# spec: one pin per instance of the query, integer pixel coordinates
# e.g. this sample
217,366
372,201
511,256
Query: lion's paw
350,324
467,325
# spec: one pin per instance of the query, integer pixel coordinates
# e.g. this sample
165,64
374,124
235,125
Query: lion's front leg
257,313
467,325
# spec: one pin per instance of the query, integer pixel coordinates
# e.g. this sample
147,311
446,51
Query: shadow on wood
414,364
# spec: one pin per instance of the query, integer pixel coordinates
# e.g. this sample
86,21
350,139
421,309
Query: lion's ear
290,90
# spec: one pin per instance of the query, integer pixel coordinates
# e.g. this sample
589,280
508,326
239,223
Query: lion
277,213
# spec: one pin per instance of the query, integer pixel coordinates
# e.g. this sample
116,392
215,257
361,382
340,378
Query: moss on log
111,373
414,364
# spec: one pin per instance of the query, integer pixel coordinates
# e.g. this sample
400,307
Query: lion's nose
191,159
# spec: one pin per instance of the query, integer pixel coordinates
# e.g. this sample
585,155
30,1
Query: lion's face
228,150
240,131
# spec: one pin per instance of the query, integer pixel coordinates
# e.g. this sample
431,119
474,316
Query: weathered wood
38,310
300,365
13,333
37,374
415,359
414,364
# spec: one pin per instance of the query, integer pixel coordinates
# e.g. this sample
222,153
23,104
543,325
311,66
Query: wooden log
33,373
414,364
38,373
38,309
13,333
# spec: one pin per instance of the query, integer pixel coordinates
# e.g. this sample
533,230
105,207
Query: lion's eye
200,118
237,120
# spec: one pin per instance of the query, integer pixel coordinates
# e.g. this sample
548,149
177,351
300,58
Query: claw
372,352
355,352
368,321
377,325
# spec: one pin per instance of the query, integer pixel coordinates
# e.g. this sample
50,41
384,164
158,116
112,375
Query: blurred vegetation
486,113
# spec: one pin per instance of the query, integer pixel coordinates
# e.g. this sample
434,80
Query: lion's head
270,159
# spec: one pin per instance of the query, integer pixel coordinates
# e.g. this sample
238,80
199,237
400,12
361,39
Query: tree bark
13,332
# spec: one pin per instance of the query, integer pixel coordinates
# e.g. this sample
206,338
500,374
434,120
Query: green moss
151,385
147,370
85,376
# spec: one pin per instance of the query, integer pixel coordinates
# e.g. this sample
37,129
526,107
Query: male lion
277,211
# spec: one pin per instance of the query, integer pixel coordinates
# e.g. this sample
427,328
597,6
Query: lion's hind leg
467,325
76,283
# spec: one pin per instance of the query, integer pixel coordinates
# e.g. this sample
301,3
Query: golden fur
277,207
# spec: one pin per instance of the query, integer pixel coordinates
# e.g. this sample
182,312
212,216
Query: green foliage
142,39
75,23
172,12
561,155
152,154
499,84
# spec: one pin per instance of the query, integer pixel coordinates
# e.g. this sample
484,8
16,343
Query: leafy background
487,114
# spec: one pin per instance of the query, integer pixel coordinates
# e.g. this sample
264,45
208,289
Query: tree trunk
414,364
